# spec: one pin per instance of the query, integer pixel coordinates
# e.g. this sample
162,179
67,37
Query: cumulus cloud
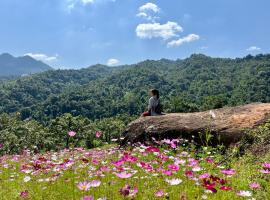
253,48
157,30
149,7
42,57
113,62
148,11
186,39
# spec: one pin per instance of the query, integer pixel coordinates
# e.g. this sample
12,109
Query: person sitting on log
154,107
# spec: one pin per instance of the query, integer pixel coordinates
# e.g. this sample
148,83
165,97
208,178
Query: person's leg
145,114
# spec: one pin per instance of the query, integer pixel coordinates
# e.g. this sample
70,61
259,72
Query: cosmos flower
87,198
266,165
159,193
173,167
204,176
95,183
84,186
175,181
71,133
98,134
228,172
127,191
24,194
244,193
26,179
124,175
254,185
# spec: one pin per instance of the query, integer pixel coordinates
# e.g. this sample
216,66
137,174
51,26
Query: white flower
26,179
196,169
244,193
175,181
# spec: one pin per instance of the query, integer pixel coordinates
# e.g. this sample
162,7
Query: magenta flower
167,172
152,149
98,134
124,175
71,133
228,171
24,194
87,198
159,193
127,191
266,165
84,186
254,185
225,188
118,163
173,167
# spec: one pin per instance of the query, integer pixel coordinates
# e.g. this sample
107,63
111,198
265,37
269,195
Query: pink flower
127,191
228,171
265,171
71,133
98,134
124,175
173,167
24,194
159,193
167,172
84,186
254,185
94,183
204,176
266,165
87,198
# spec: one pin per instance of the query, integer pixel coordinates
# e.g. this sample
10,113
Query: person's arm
151,104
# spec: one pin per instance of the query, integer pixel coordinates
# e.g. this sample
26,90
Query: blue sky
79,33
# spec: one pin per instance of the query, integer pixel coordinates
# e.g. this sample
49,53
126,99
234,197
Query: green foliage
193,84
17,135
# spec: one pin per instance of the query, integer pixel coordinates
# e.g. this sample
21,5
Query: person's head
154,92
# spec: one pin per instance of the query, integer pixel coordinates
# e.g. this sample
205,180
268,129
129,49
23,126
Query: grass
55,175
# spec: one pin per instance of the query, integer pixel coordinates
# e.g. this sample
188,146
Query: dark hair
155,93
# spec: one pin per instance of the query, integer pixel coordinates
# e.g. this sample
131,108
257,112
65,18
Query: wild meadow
167,169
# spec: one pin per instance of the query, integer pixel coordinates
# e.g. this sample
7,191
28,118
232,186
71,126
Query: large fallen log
227,125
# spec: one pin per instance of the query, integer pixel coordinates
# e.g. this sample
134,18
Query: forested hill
196,83
17,66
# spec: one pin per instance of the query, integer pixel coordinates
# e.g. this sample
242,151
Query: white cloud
186,39
149,7
254,48
113,62
157,30
148,11
85,2
42,57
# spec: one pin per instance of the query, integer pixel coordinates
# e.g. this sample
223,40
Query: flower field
169,171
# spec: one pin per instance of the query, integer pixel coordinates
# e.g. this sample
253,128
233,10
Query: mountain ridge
18,66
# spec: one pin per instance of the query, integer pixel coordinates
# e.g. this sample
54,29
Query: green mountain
196,83
25,65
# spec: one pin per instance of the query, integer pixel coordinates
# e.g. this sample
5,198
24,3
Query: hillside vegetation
192,84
